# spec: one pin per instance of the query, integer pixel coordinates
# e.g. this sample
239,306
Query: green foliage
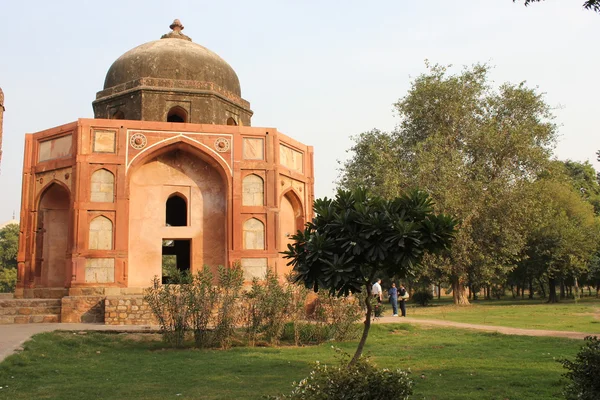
584,372
357,235
8,280
361,380
422,297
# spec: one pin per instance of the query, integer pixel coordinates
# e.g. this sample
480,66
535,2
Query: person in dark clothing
402,296
393,294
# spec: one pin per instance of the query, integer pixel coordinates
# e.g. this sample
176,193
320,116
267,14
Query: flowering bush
360,381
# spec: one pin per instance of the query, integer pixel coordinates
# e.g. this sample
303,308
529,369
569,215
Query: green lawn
568,315
445,363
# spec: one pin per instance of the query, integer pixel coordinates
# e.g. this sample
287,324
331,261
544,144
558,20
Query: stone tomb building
170,168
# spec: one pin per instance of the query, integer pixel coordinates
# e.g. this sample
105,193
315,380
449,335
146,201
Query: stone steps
27,311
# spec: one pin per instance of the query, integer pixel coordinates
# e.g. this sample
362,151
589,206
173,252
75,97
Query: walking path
13,336
489,328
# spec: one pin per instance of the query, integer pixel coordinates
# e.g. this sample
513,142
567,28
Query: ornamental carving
138,141
222,145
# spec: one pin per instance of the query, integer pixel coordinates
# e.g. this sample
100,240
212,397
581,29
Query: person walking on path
403,294
393,294
376,291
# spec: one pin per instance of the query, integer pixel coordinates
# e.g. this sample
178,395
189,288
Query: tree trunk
470,296
530,288
562,289
459,293
552,291
366,328
542,289
512,291
439,290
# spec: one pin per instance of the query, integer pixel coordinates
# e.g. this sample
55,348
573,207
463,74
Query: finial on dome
176,28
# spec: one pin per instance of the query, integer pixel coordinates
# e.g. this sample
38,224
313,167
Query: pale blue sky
319,71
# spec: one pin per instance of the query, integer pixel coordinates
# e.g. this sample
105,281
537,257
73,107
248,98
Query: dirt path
488,328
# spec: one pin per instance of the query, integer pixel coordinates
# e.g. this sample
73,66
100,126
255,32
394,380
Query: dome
173,57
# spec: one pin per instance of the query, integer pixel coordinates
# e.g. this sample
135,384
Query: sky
318,71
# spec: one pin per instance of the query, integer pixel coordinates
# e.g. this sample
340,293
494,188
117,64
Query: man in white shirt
376,291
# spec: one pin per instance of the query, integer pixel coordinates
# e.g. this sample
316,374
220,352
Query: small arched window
101,234
231,121
103,186
254,234
177,114
176,211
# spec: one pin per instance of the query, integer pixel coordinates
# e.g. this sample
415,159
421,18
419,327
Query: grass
568,315
446,364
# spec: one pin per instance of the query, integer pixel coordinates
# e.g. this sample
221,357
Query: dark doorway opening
176,211
177,114
176,259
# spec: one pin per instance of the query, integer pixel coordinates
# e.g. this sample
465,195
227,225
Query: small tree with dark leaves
357,236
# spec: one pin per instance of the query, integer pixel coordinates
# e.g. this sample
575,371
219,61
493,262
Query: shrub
584,372
268,303
169,306
422,297
361,381
342,315
201,300
228,296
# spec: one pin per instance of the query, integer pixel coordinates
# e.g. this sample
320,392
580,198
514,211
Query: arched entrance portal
52,237
161,187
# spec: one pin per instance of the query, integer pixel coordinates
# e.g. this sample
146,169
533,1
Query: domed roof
174,57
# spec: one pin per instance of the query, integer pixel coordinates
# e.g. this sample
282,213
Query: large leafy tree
474,149
357,236
593,5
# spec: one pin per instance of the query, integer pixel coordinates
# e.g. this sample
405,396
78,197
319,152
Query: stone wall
127,310
82,309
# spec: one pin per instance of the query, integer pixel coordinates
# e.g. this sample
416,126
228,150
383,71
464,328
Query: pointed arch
254,234
102,186
231,121
100,234
253,190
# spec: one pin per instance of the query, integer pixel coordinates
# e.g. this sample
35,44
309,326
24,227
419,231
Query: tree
475,150
9,246
563,240
356,236
593,5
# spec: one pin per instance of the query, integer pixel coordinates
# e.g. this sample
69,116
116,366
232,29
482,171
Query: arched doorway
177,203
52,237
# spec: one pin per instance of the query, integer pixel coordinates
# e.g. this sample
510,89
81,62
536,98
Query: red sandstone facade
104,201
